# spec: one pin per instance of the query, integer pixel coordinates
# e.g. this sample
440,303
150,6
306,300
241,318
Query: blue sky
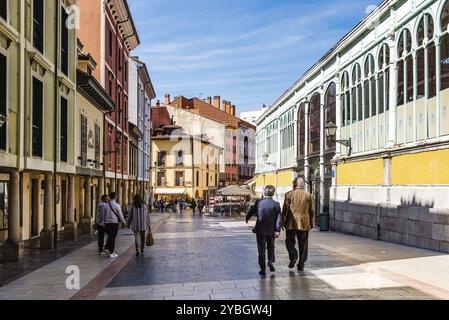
246,51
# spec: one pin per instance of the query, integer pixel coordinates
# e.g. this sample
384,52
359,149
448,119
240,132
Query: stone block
438,232
13,252
442,218
395,237
446,233
444,246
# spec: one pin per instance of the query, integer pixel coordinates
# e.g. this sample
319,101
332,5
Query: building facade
141,94
385,87
108,33
185,165
253,116
37,113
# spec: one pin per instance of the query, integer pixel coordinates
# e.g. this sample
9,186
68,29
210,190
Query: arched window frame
404,61
314,124
444,47
383,78
425,58
369,88
301,130
330,108
356,94
345,99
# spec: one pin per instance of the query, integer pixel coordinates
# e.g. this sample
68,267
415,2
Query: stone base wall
409,225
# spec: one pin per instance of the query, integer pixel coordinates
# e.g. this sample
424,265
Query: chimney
225,106
228,107
217,100
158,103
233,110
209,100
167,99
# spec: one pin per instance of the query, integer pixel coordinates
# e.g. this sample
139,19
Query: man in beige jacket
298,219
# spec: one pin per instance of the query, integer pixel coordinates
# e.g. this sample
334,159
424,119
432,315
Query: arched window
426,81
356,94
345,100
383,80
445,47
301,130
369,88
405,68
330,112
314,127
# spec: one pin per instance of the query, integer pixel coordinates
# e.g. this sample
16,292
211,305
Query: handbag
149,240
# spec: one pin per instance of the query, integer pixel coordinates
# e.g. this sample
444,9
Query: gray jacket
102,210
114,213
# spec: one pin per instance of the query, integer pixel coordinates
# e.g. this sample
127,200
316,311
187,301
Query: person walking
200,205
268,228
181,205
114,215
193,206
102,210
139,222
298,219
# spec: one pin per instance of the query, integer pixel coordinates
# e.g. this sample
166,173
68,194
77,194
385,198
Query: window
426,32
345,99
330,112
111,84
197,178
64,42
405,69
179,179
179,158
356,93
38,25
383,78
161,159
119,104
83,140
37,118
3,99
4,9
207,179
369,87
314,128
97,145
110,44
161,182
3,206
119,153
119,59
64,132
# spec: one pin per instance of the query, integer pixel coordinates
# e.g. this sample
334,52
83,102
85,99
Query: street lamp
331,132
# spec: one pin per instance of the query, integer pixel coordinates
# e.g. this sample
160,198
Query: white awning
169,191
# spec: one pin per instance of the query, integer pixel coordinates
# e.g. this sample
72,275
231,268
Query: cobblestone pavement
203,258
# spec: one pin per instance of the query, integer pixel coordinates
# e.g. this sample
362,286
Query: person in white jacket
114,215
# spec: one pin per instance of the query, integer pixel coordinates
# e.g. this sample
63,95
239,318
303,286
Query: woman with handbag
140,224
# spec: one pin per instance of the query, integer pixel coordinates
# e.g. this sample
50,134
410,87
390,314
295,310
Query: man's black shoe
262,273
272,268
292,265
300,268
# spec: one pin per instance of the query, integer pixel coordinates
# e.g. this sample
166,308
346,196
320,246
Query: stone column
86,222
119,192
306,146
338,119
70,228
46,236
13,249
391,141
322,148
125,196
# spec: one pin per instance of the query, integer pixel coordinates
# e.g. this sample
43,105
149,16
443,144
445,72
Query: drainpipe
56,125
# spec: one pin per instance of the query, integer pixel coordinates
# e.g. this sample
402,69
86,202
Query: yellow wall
361,173
421,168
285,179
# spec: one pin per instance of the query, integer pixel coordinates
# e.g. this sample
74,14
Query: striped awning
170,191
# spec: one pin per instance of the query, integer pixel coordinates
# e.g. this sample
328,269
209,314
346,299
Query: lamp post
266,157
331,132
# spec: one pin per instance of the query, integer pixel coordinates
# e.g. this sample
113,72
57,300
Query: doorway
35,204
64,203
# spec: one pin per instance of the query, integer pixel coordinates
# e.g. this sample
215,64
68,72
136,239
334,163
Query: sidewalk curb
96,285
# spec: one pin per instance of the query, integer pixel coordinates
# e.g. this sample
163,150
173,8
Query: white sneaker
113,255
105,253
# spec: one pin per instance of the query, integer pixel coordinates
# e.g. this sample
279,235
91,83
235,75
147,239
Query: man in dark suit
267,228
298,219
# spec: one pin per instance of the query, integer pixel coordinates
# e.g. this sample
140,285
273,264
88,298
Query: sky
246,51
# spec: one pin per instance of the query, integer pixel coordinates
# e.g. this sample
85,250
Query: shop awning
235,191
170,191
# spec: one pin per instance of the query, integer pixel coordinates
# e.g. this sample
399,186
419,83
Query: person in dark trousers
298,219
139,222
193,206
200,206
102,210
114,215
268,227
